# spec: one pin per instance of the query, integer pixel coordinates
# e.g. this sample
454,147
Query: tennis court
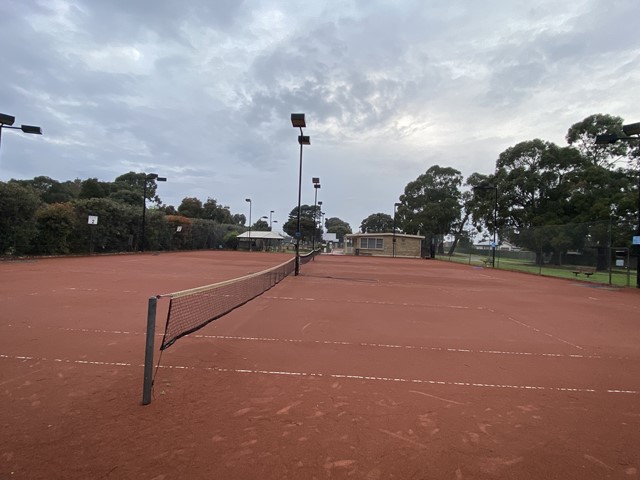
360,367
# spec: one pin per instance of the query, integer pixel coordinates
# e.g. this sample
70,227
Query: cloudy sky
201,91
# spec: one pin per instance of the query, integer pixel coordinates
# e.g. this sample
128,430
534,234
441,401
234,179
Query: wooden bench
586,271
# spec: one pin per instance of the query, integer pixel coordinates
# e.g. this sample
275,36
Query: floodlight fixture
304,140
297,120
32,129
631,129
606,139
7,119
315,180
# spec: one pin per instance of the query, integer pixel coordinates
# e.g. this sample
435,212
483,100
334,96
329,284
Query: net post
148,352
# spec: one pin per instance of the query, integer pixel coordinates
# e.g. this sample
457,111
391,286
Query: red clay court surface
372,368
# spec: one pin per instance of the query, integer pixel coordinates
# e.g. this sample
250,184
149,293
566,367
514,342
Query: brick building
381,244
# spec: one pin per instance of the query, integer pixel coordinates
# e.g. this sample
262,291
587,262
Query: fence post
148,353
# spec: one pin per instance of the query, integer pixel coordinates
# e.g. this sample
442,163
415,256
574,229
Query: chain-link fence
600,252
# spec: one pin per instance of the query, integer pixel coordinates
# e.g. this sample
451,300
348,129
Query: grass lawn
618,277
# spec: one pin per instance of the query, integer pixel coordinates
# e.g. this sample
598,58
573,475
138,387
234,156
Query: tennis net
190,310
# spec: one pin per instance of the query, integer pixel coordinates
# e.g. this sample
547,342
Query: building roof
385,234
260,235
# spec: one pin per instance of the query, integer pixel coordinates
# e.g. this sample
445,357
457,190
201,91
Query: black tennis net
190,310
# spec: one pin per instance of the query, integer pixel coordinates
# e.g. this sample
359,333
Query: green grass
618,277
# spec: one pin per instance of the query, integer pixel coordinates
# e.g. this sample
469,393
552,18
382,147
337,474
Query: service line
25,358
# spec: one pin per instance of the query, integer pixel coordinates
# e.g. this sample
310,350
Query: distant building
381,244
260,241
504,246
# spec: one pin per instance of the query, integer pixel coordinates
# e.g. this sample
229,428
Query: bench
586,271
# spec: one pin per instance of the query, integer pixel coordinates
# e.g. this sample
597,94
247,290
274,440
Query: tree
51,191
238,219
534,189
377,223
431,204
55,224
260,226
582,136
18,205
93,188
191,207
212,211
307,222
231,240
337,226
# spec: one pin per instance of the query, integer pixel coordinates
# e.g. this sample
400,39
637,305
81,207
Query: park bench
586,271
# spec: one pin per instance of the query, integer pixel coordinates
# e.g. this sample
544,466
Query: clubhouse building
382,244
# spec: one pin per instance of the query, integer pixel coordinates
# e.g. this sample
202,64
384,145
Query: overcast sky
201,91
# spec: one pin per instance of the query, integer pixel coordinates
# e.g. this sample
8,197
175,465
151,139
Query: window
368,242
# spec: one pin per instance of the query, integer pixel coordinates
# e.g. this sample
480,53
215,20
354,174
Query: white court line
537,330
361,344
332,375
372,302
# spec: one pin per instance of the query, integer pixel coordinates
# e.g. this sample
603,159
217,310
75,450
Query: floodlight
631,129
304,140
7,119
31,129
297,120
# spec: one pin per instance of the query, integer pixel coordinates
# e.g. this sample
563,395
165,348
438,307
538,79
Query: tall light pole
150,176
316,187
7,121
629,130
270,221
320,219
249,200
297,121
395,209
495,217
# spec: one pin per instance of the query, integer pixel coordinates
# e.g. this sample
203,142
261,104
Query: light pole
249,200
316,187
150,176
629,130
297,121
320,219
495,217
270,221
395,209
7,121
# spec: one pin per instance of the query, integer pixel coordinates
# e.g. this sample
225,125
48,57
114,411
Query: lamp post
395,209
150,176
7,121
495,217
320,219
629,131
298,121
316,187
270,221
249,200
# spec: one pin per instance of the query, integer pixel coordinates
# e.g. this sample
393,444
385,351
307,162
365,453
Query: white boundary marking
329,375
361,344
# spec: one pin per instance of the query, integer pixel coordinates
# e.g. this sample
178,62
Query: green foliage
18,205
337,226
118,228
93,188
191,207
431,203
212,211
55,224
377,223
260,226
307,223
231,240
